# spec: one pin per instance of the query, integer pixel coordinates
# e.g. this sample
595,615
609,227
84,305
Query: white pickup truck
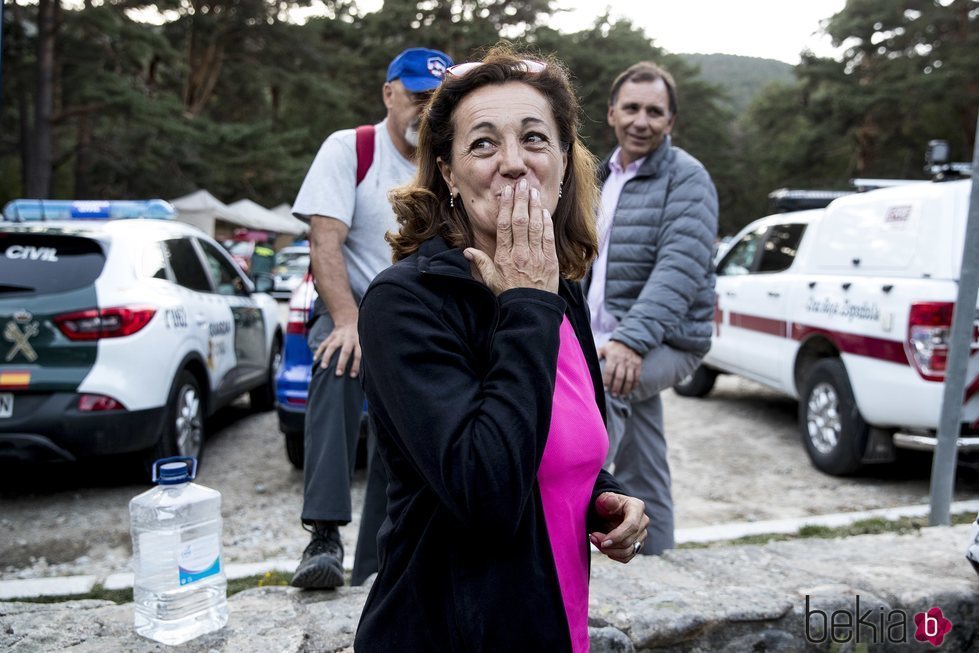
848,309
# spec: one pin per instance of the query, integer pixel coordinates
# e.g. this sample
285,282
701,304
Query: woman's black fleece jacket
459,384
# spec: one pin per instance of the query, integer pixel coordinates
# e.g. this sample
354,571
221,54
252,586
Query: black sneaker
322,563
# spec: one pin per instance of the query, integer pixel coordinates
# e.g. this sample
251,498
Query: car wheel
263,397
698,384
295,448
183,432
833,431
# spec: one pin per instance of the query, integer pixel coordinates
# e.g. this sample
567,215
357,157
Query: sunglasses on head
527,65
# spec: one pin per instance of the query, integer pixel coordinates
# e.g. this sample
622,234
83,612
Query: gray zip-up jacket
660,278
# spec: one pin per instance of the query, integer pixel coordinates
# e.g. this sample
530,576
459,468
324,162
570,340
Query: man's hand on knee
343,339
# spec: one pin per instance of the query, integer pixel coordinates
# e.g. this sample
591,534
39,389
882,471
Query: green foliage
741,78
231,96
901,82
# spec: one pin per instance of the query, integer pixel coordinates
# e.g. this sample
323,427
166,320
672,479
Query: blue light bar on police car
39,210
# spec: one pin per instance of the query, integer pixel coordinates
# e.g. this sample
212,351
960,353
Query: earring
560,190
452,200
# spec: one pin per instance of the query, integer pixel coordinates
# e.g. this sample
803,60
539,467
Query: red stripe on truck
972,389
891,351
760,324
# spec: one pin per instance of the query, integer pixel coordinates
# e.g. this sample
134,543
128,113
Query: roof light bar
40,210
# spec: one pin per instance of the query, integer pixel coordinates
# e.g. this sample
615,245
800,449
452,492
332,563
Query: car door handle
772,293
201,321
730,293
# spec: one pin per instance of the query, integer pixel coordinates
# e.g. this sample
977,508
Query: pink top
576,446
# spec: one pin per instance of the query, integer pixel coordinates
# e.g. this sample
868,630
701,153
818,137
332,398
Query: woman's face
502,134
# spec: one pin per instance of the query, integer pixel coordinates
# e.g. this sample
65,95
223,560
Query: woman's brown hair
422,207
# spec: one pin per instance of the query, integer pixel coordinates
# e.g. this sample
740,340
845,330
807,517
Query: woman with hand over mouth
482,378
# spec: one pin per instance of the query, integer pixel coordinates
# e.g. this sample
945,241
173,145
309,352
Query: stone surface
727,599
66,586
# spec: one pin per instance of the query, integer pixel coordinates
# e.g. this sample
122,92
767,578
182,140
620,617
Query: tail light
98,403
929,327
95,323
297,321
299,315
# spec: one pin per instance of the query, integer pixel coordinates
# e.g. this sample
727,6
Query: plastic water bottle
179,587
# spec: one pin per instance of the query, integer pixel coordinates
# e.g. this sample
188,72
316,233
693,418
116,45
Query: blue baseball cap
419,69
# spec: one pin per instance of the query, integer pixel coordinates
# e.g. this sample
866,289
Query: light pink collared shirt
603,323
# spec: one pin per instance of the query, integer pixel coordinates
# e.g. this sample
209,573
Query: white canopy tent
259,217
284,210
204,211
221,220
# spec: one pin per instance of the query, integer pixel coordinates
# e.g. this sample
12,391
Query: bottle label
199,558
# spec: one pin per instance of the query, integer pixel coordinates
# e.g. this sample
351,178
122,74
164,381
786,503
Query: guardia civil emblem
19,331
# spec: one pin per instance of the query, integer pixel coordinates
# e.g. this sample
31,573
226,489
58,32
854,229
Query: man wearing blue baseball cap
344,200
412,75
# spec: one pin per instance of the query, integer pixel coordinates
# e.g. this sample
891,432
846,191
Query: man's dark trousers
333,420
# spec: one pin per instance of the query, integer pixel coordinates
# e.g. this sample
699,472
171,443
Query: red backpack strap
365,150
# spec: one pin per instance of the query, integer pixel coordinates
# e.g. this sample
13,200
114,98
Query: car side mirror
264,282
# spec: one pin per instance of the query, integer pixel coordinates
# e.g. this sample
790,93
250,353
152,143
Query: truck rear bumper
930,442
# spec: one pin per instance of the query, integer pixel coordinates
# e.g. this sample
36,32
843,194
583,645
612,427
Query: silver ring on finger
636,547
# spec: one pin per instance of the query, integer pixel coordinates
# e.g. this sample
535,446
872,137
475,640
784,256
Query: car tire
698,384
834,433
183,432
295,448
262,398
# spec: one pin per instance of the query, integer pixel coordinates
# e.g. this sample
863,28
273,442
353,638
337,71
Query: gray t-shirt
330,190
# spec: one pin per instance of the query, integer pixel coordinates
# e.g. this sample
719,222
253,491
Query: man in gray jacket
651,289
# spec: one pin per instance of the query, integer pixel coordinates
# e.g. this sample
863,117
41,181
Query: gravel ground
736,456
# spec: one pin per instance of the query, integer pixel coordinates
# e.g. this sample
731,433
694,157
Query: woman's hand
525,254
626,522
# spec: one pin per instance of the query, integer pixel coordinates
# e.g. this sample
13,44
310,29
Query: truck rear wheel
833,431
698,384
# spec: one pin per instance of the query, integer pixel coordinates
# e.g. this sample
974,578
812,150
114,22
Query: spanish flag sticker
15,379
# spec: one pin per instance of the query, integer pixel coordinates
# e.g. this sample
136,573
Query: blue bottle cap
175,470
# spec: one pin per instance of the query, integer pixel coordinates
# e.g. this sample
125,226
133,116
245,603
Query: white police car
122,335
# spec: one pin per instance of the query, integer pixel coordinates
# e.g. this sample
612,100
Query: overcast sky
773,29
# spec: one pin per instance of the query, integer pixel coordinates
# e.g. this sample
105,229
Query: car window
186,265
780,247
47,263
226,278
741,257
153,264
